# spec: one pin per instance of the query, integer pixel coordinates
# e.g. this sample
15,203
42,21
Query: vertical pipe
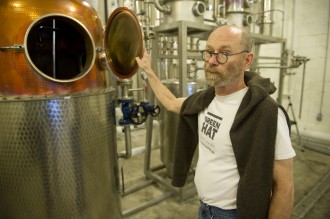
302,89
319,117
149,122
182,52
261,17
128,142
105,10
282,72
266,17
293,12
54,49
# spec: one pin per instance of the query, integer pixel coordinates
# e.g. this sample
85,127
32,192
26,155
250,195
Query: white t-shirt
216,175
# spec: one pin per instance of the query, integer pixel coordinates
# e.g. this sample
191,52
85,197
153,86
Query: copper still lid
123,42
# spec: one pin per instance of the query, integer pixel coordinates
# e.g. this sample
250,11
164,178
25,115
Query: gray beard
221,79
217,80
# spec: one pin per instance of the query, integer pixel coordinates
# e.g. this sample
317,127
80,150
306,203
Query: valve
125,108
137,113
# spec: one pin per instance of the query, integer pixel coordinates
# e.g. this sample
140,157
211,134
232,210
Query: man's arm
283,190
163,94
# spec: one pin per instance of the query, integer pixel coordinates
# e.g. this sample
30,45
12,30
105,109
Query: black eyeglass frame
222,53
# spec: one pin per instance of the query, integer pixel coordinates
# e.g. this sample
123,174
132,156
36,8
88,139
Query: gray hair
247,41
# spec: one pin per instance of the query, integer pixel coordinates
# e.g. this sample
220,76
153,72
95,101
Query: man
245,163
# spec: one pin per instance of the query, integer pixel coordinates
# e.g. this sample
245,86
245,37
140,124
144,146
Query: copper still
58,152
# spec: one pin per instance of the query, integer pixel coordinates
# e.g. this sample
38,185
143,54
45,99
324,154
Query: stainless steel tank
238,13
58,157
187,10
58,152
169,121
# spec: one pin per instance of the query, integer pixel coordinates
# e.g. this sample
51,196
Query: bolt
319,117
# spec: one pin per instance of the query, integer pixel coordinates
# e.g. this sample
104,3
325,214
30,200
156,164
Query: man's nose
213,60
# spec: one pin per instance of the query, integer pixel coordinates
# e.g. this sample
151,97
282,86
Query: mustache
211,70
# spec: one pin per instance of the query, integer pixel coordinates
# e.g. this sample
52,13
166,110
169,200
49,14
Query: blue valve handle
137,113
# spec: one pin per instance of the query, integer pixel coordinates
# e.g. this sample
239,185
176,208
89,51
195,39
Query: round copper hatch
123,42
59,48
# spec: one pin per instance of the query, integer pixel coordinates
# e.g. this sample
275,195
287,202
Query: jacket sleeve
186,142
187,134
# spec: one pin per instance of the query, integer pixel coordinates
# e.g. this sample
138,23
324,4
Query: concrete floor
311,174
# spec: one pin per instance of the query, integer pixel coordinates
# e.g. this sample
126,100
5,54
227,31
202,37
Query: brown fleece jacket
253,135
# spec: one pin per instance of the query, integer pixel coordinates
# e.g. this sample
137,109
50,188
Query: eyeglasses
221,57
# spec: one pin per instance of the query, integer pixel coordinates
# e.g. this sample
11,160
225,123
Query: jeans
211,212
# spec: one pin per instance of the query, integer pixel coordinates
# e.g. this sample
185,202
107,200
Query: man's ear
248,60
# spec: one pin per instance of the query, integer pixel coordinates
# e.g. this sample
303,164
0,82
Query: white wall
306,30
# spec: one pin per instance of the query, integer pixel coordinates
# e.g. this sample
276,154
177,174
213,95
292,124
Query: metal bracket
17,47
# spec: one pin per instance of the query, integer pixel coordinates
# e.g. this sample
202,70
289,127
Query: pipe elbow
162,8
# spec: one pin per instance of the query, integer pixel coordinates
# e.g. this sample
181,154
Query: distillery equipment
175,50
58,148
58,152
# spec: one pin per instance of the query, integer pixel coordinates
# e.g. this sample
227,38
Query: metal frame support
181,29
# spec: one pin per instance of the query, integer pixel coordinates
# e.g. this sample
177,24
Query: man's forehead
227,31
224,37
220,42
218,47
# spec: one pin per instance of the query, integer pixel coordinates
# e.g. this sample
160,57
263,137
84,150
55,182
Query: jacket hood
264,84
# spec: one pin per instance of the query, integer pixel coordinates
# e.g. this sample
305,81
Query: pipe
218,8
128,144
139,150
54,49
319,116
283,71
293,12
147,158
279,67
268,57
162,8
316,141
267,18
302,89
106,10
